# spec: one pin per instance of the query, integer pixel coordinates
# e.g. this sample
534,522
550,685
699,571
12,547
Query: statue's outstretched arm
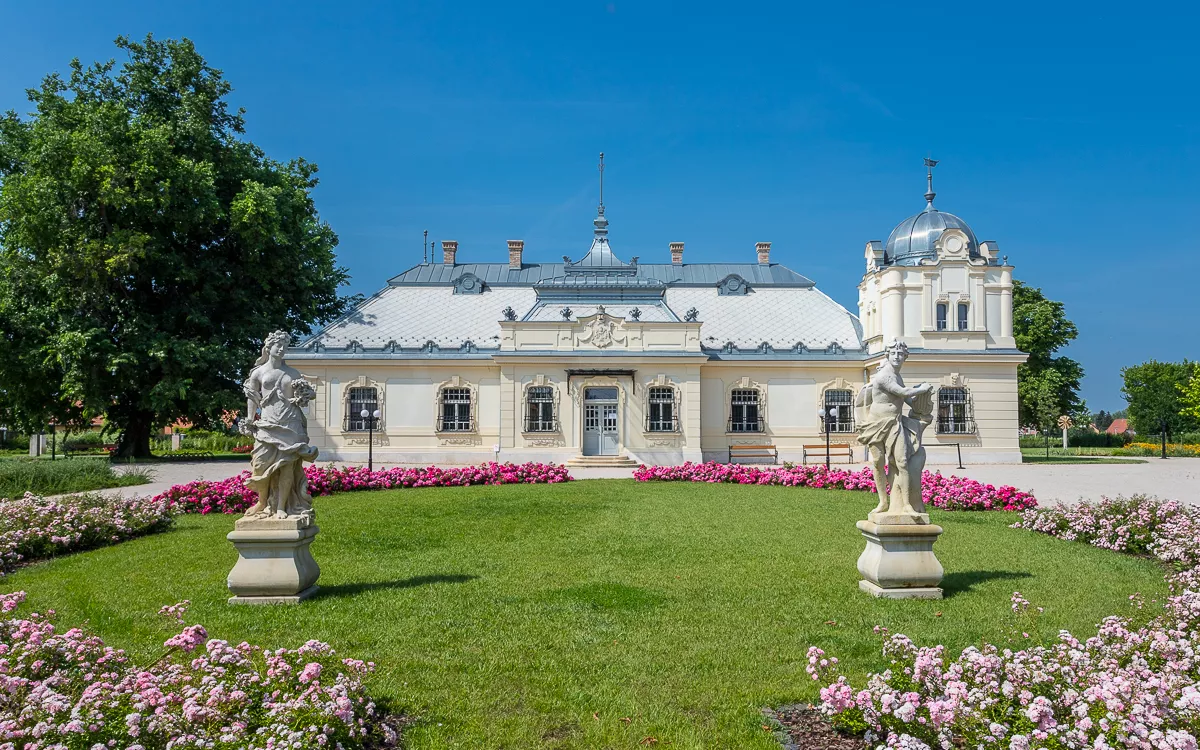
890,386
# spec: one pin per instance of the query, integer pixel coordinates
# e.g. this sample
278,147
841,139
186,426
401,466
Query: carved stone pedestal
898,562
274,563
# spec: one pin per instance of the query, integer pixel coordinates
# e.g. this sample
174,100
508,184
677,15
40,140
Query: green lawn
593,614
1034,456
43,476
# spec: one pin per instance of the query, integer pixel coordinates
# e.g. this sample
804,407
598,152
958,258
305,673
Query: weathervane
930,164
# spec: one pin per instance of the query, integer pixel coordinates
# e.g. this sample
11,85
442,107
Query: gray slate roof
420,313
688,274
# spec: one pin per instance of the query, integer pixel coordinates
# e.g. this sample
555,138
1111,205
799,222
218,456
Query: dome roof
915,238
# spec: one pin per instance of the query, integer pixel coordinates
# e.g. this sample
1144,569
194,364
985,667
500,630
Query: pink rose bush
67,689
232,496
1129,686
948,493
34,527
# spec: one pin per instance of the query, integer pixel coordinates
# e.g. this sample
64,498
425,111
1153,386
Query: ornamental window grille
963,316
943,310
745,412
661,412
839,411
361,398
539,409
954,411
456,410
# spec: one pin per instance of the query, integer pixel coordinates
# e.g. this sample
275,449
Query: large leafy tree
1190,396
1047,385
146,247
1155,392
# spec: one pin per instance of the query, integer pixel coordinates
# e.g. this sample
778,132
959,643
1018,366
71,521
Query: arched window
963,316
539,409
661,410
942,311
358,399
456,412
839,411
954,411
745,414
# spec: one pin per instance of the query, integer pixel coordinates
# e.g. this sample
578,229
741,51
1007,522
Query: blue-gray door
600,432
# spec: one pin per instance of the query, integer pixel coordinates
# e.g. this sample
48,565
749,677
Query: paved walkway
1177,478
1173,478
165,475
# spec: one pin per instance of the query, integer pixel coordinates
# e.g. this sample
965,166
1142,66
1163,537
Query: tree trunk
135,438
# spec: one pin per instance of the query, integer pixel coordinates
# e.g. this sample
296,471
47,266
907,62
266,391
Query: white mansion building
664,362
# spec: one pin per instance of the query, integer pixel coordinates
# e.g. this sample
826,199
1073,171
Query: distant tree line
1164,397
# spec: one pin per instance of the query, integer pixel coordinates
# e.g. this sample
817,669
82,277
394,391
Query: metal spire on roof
425,252
601,222
929,194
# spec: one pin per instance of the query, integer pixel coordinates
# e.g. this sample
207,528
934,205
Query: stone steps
603,462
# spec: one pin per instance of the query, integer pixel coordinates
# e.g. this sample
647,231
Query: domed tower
935,286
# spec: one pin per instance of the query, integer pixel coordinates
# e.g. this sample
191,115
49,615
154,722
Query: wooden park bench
836,450
753,451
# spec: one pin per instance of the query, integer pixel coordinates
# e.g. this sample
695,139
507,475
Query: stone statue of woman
894,438
276,395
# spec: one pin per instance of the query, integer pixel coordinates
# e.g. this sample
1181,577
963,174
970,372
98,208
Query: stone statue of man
894,438
276,395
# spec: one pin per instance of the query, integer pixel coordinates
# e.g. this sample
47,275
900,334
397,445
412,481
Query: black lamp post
826,415
371,418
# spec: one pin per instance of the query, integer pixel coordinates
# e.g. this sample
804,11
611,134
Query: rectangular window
839,411
963,310
359,399
942,312
954,411
660,416
744,412
456,410
539,409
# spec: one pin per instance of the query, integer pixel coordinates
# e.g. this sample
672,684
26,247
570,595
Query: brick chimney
449,250
677,253
764,253
515,248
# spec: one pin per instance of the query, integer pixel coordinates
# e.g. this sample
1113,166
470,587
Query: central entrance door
600,437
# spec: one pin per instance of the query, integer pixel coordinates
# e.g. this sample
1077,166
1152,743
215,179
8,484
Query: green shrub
42,476
14,442
202,440
1076,438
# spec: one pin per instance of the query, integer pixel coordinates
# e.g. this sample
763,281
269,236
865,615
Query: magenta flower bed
232,496
948,493
67,689
1129,686
34,527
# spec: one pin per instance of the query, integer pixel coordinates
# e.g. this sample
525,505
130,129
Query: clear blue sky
1070,135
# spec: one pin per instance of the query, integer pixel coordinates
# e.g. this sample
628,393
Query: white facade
662,363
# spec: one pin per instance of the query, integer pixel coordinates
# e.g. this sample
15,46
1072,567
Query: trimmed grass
592,614
43,476
1057,450
1034,457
